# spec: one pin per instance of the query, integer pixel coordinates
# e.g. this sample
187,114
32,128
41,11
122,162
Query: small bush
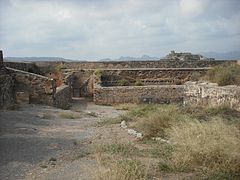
124,169
155,123
126,150
67,115
138,83
99,72
212,147
123,82
227,74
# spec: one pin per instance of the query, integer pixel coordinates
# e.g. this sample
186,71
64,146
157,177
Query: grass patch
126,150
68,115
124,169
76,109
116,120
138,83
211,147
123,82
125,106
226,74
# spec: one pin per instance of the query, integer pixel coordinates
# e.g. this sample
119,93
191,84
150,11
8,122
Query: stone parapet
139,94
210,94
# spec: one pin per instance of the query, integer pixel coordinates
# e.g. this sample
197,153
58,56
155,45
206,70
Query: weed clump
212,147
227,74
123,82
67,115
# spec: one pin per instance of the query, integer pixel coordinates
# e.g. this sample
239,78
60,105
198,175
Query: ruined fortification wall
144,64
24,66
7,93
62,97
40,88
45,66
138,94
192,93
211,94
153,76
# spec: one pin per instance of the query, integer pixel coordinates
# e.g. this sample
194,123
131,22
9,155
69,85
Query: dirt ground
37,143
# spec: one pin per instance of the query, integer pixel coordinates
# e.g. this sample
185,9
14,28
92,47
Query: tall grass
227,74
213,147
123,169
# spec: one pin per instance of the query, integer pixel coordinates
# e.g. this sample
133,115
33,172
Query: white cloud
191,8
111,28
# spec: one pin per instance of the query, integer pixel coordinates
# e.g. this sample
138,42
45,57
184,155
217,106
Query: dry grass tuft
226,74
123,169
210,146
68,115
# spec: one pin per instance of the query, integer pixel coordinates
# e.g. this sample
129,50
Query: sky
96,29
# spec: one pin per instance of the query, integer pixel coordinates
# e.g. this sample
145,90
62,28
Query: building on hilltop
185,56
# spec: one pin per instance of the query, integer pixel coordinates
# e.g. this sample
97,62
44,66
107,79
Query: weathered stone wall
211,94
45,66
24,66
153,76
82,83
63,97
138,94
40,88
7,93
144,64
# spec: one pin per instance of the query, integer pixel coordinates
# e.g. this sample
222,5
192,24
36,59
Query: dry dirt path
36,143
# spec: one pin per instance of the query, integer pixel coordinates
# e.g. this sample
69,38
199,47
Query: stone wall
40,88
63,97
7,93
164,63
24,66
144,64
211,94
138,94
152,76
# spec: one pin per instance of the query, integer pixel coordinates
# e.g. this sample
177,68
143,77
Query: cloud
96,29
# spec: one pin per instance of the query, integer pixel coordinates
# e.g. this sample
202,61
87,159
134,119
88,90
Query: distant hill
130,58
33,59
233,55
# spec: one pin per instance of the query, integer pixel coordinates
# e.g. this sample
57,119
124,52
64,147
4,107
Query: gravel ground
36,143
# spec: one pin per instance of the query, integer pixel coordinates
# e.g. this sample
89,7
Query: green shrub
138,83
99,72
227,74
123,82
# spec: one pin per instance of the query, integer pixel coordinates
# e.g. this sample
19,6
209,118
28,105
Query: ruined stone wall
82,83
40,88
7,87
24,66
63,97
7,93
144,64
46,66
138,94
154,76
211,94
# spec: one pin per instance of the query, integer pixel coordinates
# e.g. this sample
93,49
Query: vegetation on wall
226,74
